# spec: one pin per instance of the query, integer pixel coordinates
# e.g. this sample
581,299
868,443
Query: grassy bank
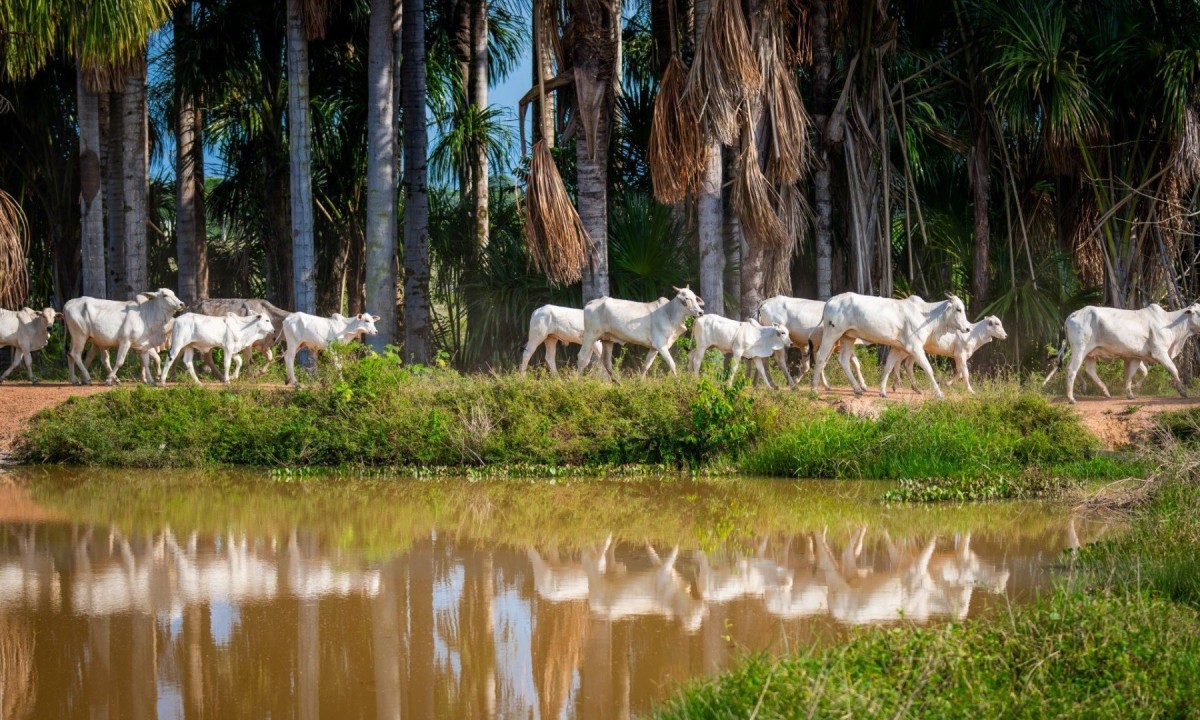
381,414
1119,638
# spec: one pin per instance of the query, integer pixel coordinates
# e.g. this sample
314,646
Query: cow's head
166,295
364,324
1192,313
957,317
995,328
49,315
782,334
263,327
690,300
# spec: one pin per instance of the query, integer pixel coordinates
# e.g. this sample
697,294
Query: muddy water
222,596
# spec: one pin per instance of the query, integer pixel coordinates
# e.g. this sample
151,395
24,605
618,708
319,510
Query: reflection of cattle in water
920,585
156,573
614,592
757,576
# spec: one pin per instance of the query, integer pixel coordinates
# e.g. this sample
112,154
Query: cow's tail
1058,361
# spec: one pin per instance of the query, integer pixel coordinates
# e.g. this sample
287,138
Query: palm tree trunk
381,173
304,286
134,182
417,338
980,170
200,220
709,210
185,176
91,199
111,123
543,68
823,200
478,97
593,206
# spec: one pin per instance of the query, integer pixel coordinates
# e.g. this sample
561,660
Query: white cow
1150,334
550,325
219,307
741,339
802,317
655,325
952,344
141,324
25,331
302,330
660,590
906,324
203,333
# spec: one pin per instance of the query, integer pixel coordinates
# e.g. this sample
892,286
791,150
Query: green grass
1120,637
1006,442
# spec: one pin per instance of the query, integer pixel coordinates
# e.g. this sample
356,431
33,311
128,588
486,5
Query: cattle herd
150,323
911,329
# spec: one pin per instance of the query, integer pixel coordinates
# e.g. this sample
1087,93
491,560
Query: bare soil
19,402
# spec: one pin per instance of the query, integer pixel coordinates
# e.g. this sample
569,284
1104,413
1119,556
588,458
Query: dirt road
21,401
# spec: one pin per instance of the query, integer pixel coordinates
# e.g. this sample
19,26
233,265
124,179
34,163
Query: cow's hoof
918,391
1072,401
34,382
1129,396
883,395
108,382
1183,393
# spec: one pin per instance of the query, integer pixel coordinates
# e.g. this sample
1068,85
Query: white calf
550,325
233,334
25,331
740,339
302,330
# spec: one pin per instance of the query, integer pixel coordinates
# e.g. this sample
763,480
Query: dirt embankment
20,402
1117,421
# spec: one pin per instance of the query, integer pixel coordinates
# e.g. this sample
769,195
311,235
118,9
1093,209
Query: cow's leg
189,358
844,355
894,358
585,353
649,360
144,358
1164,359
1089,366
829,338
122,351
209,364
551,356
227,358
735,361
1072,371
854,363
918,354
1131,369
17,353
910,366
289,362
75,359
28,355
965,372
530,348
695,358
238,361
666,356
762,372
172,355
781,361
606,353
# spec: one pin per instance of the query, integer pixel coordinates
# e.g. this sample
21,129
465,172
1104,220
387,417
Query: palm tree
191,243
710,210
823,200
381,172
477,95
417,336
592,59
135,180
91,197
305,21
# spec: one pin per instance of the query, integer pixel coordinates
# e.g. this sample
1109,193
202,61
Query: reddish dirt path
20,401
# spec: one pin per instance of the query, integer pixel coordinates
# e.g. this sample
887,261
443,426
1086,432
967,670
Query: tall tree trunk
304,285
185,166
709,210
91,199
980,171
543,69
593,206
134,182
823,200
201,222
111,124
478,97
381,173
417,336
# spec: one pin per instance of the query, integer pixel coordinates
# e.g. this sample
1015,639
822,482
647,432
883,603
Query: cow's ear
145,296
374,318
754,322
676,289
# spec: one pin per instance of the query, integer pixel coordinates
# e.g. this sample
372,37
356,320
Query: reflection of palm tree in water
18,687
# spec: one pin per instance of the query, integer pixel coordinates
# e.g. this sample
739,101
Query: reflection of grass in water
383,515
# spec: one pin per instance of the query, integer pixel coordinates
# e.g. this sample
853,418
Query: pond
185,594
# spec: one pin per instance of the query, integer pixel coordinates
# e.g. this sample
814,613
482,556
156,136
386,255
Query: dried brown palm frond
724,73
676,145
787,121
753,197
1081,217
1185,156
14,246
556,239
314,15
